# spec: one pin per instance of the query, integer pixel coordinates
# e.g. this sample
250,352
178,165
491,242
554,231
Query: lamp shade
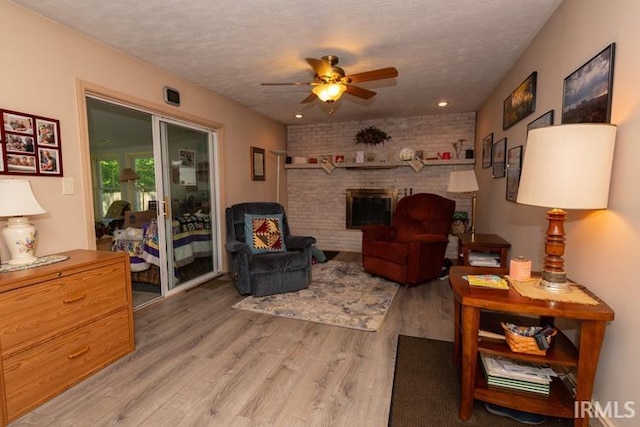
18,199
568,166
329,92
462,181
128,175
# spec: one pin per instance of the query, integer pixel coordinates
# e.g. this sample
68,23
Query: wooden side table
472,304
482,243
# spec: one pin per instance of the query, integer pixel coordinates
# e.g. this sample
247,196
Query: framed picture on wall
29,145
499,158
587,91
520,103
257,164
487,146
541,122
514,166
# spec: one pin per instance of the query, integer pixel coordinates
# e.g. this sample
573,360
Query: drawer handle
74,299
78,353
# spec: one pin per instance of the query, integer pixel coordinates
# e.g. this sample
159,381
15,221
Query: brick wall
316,200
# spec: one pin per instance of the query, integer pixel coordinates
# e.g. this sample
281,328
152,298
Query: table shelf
559,402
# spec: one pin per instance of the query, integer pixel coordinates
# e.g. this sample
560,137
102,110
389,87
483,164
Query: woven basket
523,344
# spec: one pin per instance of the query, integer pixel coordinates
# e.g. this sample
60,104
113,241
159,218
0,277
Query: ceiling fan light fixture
329,92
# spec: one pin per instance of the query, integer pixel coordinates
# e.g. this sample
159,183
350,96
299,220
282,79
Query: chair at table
264,257
412,249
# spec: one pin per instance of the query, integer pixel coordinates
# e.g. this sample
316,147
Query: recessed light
298,116
443,103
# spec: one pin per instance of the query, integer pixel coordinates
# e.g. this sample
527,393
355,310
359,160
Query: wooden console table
469,307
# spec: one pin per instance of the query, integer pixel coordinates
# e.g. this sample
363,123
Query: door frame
85,89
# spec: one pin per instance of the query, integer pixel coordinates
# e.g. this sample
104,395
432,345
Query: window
109,184
146,185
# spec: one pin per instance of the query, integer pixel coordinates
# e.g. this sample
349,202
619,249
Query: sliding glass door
189,207
161,176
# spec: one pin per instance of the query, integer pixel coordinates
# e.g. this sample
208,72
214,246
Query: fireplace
370,206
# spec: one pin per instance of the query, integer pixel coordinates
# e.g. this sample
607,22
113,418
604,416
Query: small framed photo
587,91
520,103
21,163
514,166
340,158
17,122
49,161
19,143
47,132
257,164
499,158
1,159
187,158
487,146
541,122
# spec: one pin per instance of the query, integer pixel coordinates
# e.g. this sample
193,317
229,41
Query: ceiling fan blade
287,84
320,67
360,92
382,73
309,98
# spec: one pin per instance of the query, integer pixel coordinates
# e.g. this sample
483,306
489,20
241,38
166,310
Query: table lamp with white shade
565,167
20,236
465,182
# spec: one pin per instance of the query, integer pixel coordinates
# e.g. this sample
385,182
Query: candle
520,269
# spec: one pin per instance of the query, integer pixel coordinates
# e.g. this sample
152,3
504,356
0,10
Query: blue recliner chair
268,272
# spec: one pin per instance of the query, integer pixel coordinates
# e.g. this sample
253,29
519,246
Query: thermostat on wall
171,96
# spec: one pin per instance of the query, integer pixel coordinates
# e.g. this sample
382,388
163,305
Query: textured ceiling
457,50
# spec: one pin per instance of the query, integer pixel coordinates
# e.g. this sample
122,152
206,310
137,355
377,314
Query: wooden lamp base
554,276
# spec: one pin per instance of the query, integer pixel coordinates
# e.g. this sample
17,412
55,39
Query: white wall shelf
416,165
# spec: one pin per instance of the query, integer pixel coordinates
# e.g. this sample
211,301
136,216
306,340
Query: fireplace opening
370,206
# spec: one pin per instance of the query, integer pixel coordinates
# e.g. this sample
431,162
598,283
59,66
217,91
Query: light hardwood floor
200,362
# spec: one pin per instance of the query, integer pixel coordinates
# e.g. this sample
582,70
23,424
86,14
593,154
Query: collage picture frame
29,145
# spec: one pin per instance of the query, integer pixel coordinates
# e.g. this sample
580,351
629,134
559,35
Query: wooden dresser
59,324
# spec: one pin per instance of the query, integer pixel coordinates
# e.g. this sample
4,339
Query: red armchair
412,249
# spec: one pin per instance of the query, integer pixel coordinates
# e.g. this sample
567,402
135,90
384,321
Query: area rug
426,390
341,294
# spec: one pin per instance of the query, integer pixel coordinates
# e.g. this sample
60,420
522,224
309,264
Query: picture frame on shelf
499,158
514,168
541,122
487,147
587,92
257,164
29,145
521,102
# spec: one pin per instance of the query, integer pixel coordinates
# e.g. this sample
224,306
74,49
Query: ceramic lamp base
20,236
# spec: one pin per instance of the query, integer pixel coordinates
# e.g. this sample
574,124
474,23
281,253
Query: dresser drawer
36,375
41,311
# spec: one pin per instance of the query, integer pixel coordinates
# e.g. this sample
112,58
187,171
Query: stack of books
517,375
487,281
484,259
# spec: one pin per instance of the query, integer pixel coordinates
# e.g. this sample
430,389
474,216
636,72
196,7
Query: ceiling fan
330,81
